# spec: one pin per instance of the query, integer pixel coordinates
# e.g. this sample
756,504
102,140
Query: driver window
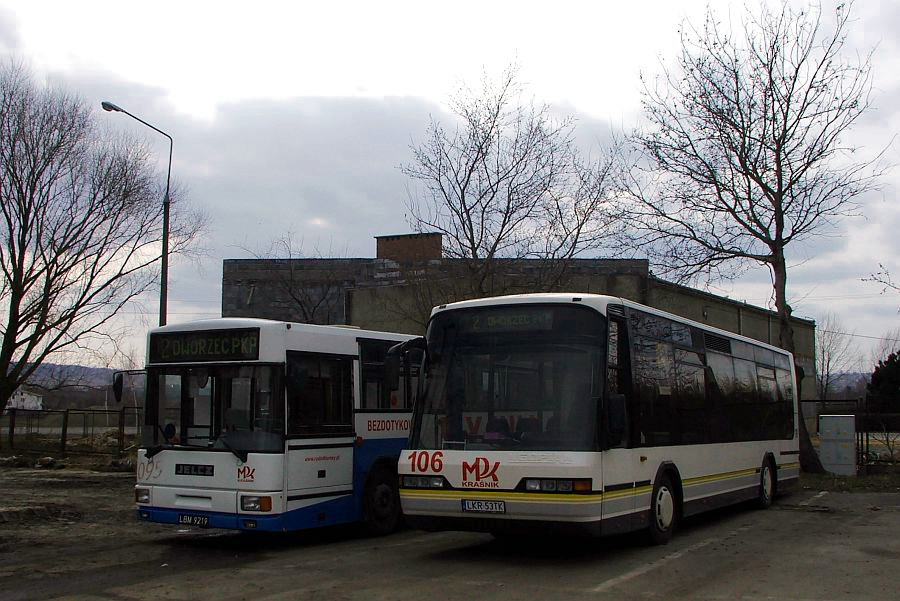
199,407
237,414
201,393
170,407
265,411
617,385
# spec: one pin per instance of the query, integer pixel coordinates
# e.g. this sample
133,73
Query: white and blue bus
580,413
263,425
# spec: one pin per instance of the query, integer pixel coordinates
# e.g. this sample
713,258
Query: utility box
837,444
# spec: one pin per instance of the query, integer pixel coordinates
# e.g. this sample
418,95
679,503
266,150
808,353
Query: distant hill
54,375
849,385
854,378
72,386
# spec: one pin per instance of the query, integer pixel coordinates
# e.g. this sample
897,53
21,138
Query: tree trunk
809,459
6,391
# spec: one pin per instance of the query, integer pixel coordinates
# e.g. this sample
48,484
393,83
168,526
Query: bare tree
888,439
883,277
744,153
80,227
835,353
506,181
888,344
317,294
422,285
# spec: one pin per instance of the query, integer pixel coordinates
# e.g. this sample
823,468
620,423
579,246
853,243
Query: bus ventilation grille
717,343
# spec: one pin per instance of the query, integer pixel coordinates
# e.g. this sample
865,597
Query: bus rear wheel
663,511
382,503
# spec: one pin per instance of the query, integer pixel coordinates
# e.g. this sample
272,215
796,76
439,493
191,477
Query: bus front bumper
210,519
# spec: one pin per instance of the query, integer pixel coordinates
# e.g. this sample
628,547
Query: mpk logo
246,474
480,470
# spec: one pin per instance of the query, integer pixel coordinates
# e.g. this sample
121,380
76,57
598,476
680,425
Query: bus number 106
420,461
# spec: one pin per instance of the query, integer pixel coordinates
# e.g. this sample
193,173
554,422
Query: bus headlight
422,481
563,485
256,503
142,495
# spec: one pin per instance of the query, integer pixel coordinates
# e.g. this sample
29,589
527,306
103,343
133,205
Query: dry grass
884,482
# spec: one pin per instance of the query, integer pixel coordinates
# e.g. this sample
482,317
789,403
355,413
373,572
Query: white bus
588,414
263,425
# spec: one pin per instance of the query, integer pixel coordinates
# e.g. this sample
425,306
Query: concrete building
396,290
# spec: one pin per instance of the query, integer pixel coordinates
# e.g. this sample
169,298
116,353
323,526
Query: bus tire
382,502
663,510
767,484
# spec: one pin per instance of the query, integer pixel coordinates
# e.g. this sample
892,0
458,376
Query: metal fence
75,431
878,438
877,434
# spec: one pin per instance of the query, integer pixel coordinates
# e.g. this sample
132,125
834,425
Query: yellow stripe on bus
456,495
719,477
594,497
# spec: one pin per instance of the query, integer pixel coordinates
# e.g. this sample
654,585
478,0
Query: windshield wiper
152,451
242,455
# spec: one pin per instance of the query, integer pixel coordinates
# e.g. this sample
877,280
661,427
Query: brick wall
409,247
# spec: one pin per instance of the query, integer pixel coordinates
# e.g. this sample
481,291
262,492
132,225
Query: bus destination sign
509,320
207,345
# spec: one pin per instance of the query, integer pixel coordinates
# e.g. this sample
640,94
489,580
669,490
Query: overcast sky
294,117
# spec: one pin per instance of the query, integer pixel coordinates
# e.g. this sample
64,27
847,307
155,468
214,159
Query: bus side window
721,390
653,372
785,401
320,399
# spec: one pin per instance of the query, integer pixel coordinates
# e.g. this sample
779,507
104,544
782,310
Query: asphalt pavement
810,546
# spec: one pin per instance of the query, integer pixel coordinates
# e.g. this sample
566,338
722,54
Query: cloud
10,41
325,169
322,168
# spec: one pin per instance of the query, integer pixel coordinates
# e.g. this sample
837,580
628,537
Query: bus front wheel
663,510
382,503
766,484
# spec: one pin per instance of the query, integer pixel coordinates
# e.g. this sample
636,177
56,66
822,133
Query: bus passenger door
320,436
618,462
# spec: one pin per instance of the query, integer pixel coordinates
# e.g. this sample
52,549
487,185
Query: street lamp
164,285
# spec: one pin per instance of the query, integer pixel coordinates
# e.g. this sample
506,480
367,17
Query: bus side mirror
393,361
117,385
135,384
392,371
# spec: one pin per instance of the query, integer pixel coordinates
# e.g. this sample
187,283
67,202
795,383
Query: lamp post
164,284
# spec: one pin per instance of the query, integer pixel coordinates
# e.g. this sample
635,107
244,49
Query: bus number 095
420,461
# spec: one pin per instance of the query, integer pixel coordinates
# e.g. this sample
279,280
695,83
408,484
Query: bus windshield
517,377
236,408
